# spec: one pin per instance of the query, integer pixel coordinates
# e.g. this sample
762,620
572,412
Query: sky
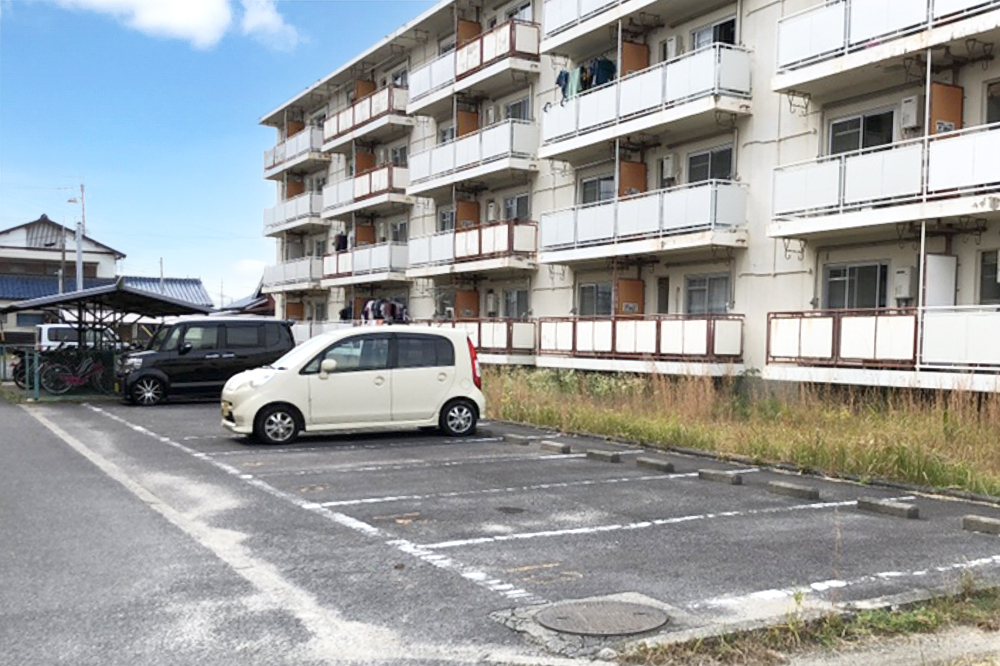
154,106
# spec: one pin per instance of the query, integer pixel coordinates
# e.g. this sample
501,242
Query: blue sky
154,106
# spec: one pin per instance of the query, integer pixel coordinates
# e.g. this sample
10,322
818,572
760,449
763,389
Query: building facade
808,191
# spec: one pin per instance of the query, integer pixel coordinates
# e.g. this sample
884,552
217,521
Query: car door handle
207,356
442,377
229,356
379,381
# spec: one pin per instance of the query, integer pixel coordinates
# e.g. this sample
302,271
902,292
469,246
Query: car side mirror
327,366
185,348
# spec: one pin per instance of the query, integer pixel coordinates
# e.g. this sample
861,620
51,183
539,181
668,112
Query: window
397,155
319,311
662,295
708,294
446,219
595,299
714,164
201,336
424,351
519,12
26,319
516,207
515,303
993,102
518,110
354,354
446,45
272,335
989,287
856,286
400,78
723,32
864,131
446,134
597,189
398,232
242,336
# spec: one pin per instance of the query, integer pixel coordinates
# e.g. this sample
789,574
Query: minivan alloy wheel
148,391
277,426
459,419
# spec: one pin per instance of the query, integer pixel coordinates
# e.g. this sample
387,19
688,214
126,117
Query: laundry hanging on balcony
595,73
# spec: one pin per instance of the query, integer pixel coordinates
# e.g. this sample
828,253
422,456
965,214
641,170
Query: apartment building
808,191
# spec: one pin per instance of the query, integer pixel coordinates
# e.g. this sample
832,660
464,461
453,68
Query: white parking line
603,529
420,463
510,489
259,450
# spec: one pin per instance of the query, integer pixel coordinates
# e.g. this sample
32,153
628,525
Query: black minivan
197,355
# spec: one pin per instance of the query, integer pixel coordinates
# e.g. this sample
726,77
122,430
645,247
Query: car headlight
260,379
133,363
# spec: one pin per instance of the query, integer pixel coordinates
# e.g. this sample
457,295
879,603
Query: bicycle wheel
102,380
20,376
54,378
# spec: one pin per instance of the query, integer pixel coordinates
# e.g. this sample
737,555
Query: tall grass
942,439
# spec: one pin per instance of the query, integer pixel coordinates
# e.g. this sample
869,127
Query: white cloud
262,20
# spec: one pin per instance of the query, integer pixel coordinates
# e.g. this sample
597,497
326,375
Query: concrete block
555,447
981,524
523,440
793,490
655,463
889,508
720,477
604,456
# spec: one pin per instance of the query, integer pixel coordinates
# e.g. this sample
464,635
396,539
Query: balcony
675,344
823,48
945,175
371,263
300,213
487,155
302,151
378,190
702,215
939,347
502,246
496,337
376,117
293,275
685,93
485,62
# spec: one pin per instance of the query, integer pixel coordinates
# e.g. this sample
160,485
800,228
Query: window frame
318,359
711,153
598,180
259,330
713,26
985,279
515,200
862,116
709,278
882,284
597,287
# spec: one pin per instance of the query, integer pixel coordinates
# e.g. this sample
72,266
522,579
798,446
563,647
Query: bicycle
58,378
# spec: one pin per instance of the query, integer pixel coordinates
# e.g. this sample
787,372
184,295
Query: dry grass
943,439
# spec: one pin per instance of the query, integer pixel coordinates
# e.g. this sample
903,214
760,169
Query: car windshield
158,339
301,354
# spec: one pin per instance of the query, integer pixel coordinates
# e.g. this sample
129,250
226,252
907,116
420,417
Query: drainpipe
920,294
921,258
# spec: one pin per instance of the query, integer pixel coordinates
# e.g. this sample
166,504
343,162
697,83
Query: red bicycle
58,378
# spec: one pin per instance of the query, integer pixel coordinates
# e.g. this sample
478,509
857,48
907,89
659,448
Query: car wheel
147,391
276,424
458,418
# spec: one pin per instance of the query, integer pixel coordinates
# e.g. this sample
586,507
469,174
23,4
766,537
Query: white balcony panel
468,57
398,256
639,215
857,337
695,337
873,18
524,238
558,228
362,186
420,250
687,207
594,336
964,161
812,33
420,81
380,180
784,337
559,13
642,92
728,337
494,239
595,222
380,102
494,334
330,265
526,39
443,70
560,119
884,174
598,107
496,141
806,187
363,260
895,338
443,248
466,243
443,158
730,205
467,150
691,75
964,337
524,140
345,262
523,335
816,337
420,165
363,111
946,7
734,70
593,6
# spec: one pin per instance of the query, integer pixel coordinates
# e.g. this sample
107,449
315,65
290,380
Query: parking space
533,526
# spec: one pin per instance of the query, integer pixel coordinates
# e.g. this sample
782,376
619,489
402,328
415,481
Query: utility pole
79,256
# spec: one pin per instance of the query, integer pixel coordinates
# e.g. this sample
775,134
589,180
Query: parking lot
501,524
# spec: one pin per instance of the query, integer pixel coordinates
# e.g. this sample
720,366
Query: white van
66,336
400,376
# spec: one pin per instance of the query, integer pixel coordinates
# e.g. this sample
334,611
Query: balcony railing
382,180
309,140
718,69
307,269
510,138
833,29
479,242
563,14
296,208
495,336
943,165
380,258
708,338
704,206
513,38
379,103
953,338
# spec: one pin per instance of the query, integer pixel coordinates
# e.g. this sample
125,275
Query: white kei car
399,376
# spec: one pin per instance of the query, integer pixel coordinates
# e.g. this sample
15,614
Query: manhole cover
601,618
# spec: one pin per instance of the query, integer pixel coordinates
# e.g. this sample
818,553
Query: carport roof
119,297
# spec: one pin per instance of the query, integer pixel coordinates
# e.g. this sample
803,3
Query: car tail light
476,377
